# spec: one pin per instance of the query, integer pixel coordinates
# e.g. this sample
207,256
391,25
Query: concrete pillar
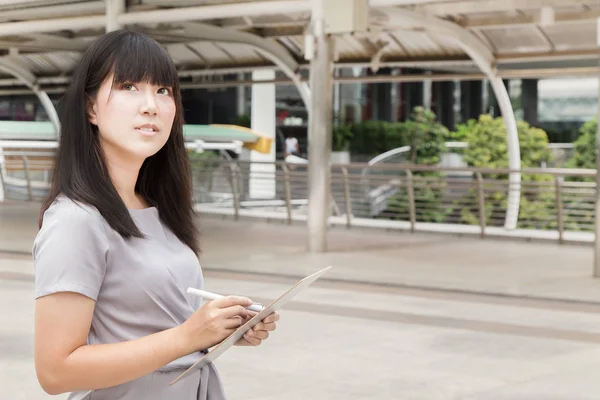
413,92
113,9
471,99
382,101
319,134
240,97
262,176
427,92
529,93
446,104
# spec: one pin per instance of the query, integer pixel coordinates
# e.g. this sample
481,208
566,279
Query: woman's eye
166,91
128,86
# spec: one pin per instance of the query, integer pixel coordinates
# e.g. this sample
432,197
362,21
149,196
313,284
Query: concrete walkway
501,267
382,341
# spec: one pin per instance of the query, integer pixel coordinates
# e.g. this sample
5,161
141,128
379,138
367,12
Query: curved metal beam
269,49
30,81
486,61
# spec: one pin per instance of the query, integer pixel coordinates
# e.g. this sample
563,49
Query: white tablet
239,332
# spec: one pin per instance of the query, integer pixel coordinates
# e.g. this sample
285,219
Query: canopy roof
46,37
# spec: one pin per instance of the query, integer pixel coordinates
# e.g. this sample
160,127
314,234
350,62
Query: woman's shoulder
69,211
72,223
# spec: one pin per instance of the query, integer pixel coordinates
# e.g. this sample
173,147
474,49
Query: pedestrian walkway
502,267
417,343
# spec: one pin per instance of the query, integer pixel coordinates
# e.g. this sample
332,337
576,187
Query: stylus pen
213,296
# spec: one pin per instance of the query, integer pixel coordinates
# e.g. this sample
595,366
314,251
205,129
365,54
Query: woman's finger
272,318
262,335
252,338
269,327
259,327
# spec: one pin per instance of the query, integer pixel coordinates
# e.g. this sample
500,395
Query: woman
117,247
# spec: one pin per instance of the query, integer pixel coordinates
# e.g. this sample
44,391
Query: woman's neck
124,176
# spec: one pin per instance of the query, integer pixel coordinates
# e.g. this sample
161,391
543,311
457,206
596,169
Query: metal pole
50,110
411,200
514,153
235,191
27,177
481,199
559,210
2,171
597,208
288,192
319,135
347,198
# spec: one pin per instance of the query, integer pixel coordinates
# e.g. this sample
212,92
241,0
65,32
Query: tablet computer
239,332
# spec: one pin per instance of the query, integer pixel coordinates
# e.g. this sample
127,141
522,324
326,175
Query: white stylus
213,296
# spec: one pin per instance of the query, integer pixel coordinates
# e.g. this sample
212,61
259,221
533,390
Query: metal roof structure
526,38
450,39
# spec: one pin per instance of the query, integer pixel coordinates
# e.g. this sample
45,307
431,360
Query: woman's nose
149,105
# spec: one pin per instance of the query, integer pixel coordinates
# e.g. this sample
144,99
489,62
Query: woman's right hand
213,322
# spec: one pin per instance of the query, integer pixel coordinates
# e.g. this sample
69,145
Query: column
446,105
471,99
414,94
319,135
241,96
113,9
261,184
529,93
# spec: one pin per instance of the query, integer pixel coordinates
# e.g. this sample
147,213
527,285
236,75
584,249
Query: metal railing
556,204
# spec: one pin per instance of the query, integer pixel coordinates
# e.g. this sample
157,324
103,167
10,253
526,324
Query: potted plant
341,136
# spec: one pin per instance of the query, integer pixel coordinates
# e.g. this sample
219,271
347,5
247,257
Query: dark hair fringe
80,171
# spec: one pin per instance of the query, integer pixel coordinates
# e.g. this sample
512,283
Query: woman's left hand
260,331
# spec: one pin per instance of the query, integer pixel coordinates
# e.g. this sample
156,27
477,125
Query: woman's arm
65,363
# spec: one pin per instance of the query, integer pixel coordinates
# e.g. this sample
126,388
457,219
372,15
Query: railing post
234,191
3,190
411,200
288,192
26,170
559,210
347,198
481,201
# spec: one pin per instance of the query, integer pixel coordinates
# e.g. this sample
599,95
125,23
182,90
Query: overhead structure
483,57
28,79
447,39
543,37
271,50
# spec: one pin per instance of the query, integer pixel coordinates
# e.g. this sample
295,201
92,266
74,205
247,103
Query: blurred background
453,185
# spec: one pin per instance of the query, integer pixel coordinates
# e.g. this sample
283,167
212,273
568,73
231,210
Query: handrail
403,197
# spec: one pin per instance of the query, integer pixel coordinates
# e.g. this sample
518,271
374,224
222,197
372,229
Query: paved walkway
383,341
543,270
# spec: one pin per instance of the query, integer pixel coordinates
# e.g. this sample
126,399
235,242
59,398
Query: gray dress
139,286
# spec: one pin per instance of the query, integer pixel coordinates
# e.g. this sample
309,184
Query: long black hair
80,171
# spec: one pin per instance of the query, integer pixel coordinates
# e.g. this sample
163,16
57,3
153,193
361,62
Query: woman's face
134,120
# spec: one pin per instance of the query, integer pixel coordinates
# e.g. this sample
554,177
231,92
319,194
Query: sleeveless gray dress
139,286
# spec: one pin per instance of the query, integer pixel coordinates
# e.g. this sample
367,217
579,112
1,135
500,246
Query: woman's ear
90,107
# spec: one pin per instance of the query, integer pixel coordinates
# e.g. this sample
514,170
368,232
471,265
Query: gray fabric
139,286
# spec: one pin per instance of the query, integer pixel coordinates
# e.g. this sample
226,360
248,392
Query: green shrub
585,148
486,139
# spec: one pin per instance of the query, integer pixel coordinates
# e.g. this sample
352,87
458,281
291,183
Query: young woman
117,247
